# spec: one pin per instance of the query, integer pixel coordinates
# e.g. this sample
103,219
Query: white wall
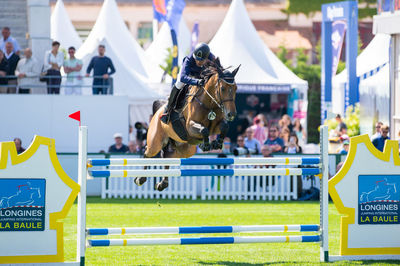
47,115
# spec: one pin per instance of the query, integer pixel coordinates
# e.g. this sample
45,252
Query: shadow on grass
229,263
98,200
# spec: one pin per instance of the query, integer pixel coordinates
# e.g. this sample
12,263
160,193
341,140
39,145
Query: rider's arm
185,77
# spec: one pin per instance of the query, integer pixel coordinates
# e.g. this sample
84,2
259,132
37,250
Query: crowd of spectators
22,75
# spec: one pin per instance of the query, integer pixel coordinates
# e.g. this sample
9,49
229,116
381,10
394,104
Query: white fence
205,187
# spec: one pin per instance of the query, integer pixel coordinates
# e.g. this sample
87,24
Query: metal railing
64,84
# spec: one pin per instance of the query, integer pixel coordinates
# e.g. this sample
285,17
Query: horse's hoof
161,185
140,180
216,145
205,146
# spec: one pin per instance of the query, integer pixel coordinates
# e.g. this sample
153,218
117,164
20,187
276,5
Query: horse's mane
211,68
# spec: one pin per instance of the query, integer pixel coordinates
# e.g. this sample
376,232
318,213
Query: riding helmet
201,51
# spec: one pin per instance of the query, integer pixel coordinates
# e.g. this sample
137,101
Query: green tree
366,8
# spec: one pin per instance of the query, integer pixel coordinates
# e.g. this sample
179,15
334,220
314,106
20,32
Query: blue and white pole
203,229
202,240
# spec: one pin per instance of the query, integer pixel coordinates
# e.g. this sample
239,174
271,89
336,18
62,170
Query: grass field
131,213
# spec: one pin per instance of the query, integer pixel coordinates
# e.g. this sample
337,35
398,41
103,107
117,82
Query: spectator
132,147
273,140
100,65
287,122
266,151
293,145
379,142
7,38
3,73
53,61
341,128
118,147
226,147
251,143
258,129
345,148
26,71
72,67
12,60
298,129
377,134
285,134
18,144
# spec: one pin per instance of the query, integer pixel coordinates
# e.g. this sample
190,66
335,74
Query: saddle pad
178,125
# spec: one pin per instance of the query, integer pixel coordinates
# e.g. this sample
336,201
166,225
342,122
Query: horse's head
225,89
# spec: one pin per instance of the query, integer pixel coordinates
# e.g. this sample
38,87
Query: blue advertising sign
378,199
22,204
339,11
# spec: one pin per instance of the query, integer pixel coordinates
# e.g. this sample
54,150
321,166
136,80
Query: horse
25,196
206,112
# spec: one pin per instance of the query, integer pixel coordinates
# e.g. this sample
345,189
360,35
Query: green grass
130,213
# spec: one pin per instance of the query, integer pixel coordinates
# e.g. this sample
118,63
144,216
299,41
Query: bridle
219,102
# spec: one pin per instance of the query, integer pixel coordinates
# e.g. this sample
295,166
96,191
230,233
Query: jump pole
82,175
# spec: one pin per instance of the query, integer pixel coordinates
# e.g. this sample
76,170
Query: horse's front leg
199,129
217,144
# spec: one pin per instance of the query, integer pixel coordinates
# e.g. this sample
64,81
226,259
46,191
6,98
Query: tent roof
237,42
375,55
62,29
125,80
110,26
157,51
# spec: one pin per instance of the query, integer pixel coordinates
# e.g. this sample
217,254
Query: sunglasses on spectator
273,130
384,131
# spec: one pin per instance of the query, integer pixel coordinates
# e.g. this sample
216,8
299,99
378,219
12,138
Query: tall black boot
171,102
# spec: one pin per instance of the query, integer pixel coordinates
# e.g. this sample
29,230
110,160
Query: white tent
62,29
110,26
157,51
237,42
371,60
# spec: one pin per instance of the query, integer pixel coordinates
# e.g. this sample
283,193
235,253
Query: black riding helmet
201,51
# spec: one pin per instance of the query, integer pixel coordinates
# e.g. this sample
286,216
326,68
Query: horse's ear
234,72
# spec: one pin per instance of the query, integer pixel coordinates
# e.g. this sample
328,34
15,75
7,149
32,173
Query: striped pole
201,240
203,229
205,172
204,161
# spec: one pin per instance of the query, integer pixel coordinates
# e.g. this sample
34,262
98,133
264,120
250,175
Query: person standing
377,134
12,59
3,72
379,142
7,38
118,147
72,67
26,71
18,145
100,65
53,61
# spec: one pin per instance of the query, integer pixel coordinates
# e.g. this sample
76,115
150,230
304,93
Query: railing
40,84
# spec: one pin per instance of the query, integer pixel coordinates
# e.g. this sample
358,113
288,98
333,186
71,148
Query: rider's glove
200,82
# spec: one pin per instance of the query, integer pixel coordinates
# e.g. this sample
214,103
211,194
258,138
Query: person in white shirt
251,143
27,72
377,134
72,67
53,61
7,38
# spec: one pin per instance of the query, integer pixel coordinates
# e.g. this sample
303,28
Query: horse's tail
157,104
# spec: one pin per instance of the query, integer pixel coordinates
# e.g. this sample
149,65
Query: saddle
176,117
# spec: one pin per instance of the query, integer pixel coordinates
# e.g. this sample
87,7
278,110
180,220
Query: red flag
76,116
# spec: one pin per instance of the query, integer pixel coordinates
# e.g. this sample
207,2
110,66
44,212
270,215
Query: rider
189,74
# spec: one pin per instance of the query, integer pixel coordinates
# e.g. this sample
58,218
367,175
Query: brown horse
205,113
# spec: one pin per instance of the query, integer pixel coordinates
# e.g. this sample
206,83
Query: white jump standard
318,167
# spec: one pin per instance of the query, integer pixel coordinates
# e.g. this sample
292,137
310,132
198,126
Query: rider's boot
171,102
